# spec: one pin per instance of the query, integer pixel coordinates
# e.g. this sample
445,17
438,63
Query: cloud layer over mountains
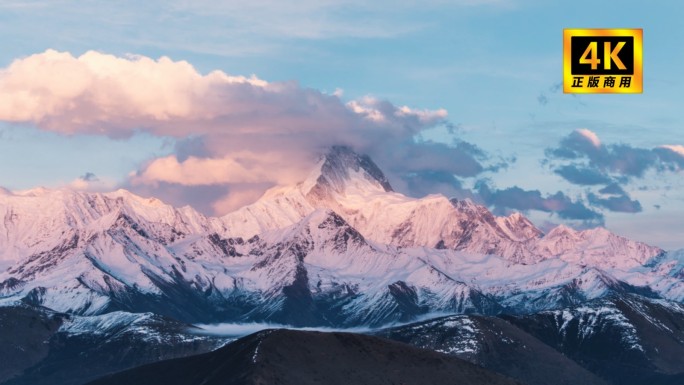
235,136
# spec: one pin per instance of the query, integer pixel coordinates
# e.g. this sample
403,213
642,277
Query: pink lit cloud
233,131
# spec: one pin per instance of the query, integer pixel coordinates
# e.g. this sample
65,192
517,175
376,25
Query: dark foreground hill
42,347
301,357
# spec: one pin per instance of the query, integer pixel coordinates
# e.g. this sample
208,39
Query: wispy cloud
231,27
242,329
317,19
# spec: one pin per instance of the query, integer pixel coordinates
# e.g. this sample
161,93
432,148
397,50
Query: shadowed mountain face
41,347
23,332
619,340
287,357
497,345
626,339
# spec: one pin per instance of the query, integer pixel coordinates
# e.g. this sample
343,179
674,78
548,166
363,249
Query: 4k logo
602,60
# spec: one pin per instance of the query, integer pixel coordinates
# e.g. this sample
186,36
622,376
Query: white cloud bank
230,130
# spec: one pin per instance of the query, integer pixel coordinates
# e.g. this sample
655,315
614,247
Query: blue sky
495,66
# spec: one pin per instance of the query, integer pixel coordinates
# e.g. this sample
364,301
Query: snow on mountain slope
549,284
318,268
282,206
89,253
361,274
340,248
356,189
327,269
662,273
669,264
594,247
39,219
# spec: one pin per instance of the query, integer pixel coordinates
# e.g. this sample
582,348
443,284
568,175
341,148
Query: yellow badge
603,61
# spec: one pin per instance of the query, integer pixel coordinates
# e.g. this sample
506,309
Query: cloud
589,136
675,148
91,182
235,136
242,133
427,182
581,158
90,177
221,28
672,156
588,160
543,99
582,175
201,198
523,200
97,93
462,158
102,94
241,329
614,198
612,189
239,196
319,19
239,167
620,203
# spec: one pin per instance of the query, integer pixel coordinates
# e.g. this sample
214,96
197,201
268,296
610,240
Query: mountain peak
340,168
561,230
34,192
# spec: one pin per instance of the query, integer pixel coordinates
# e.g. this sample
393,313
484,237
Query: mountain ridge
341,249
352,252
305,357
391,218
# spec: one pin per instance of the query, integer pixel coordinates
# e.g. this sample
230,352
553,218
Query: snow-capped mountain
596,247
40,219
355,188
339,248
